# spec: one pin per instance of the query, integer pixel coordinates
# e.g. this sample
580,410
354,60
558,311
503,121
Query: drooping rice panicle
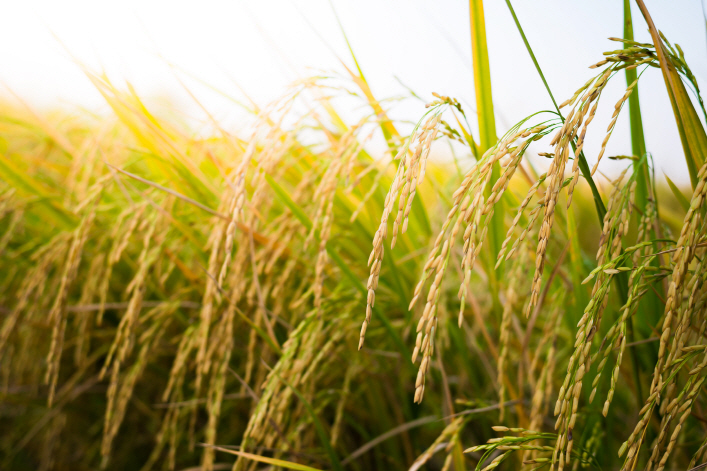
214,279
686,245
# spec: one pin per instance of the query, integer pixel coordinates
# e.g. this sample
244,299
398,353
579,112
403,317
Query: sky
258,47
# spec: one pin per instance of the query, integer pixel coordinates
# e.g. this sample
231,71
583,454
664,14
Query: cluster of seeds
161,290
502,447
512,298
473,206
468,207
411,171
256,288
345,156
610,264
447,440
675,334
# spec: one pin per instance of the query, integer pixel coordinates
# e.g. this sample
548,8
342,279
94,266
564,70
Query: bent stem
621,281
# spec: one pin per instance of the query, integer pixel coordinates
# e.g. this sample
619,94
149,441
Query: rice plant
178,302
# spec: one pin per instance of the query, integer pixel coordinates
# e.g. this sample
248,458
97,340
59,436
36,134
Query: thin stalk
583,165
621,280
532,54
638,147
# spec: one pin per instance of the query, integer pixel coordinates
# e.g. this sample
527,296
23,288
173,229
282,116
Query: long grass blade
638,142
692,133
684,202
487,131
265,459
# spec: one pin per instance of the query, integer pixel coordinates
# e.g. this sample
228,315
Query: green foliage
149,277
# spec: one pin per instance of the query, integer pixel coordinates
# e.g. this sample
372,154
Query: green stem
638,142
587,174
583,165
621,281
638,147
532,55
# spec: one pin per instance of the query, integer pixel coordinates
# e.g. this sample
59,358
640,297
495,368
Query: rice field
282,297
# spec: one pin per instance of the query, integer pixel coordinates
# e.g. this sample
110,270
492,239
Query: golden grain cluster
170,301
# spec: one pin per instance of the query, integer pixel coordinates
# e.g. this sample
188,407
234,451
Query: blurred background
253,49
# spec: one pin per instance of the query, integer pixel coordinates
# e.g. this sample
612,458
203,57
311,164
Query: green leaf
27,186
263,335
638,142
487,133
692,134
684,202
